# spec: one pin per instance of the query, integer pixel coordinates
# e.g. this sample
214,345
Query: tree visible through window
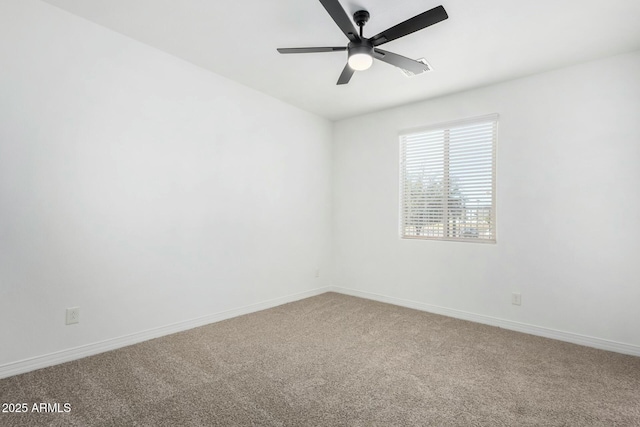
447,180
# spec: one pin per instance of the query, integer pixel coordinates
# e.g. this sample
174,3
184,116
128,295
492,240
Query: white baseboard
588,341
38,362
75,353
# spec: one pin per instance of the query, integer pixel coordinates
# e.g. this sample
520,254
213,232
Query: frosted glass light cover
360,61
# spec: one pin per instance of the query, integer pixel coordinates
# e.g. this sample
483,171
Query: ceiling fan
362,50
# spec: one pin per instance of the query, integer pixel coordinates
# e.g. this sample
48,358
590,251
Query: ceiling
482,42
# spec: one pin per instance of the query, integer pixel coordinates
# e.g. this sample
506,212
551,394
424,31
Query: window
448,181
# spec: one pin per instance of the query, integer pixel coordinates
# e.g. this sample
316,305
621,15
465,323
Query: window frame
446,127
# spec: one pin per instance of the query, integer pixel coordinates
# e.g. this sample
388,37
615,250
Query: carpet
335,360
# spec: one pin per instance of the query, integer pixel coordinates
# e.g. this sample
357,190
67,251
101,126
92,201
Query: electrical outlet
516,298
73,315
317,272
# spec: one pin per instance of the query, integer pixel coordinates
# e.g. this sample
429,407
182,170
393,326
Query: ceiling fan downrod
361,17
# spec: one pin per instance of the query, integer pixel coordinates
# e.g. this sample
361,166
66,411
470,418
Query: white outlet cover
516,298
73,315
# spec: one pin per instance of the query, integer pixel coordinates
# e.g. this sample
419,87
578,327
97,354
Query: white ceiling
482,42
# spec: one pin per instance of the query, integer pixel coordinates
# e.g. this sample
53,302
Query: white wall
568,205
143,189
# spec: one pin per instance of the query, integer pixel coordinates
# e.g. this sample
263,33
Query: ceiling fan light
360,61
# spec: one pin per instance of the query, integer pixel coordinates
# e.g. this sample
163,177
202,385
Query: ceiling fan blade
310,49
418,22
400,61
340,17
346,75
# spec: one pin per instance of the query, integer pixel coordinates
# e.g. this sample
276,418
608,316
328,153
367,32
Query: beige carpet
335,360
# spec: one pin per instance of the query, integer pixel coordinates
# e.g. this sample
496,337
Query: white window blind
448,181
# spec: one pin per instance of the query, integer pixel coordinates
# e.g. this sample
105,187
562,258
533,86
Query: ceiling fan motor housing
360,54
363,46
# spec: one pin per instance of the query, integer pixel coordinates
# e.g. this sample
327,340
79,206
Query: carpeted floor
335,360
